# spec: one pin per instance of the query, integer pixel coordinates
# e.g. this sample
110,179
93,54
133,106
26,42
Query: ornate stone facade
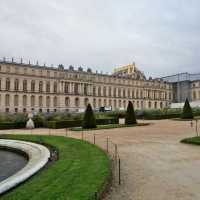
28,88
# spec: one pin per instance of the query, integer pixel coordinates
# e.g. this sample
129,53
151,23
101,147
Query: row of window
98,78
97,91
95,103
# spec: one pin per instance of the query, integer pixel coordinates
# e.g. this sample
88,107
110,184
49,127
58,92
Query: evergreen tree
187,111
130,114
89,120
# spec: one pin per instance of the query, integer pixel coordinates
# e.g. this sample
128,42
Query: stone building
28,88
184,86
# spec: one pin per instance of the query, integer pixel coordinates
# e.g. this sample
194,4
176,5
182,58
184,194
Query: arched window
120,104
7,100
124,103
7,84
25,85
48,86
55,87
55,102
86,101
77,102
99,103
40,86
48,103
16,100
24,100
115,103
105,102
67,101
161,105
16,85
155,104
133,94
149,104
94,103
32,101
40,101
32,86
110,102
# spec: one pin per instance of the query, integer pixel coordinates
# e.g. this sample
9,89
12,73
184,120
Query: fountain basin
38,155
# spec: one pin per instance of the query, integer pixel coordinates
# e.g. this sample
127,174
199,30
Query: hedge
78,123
12,125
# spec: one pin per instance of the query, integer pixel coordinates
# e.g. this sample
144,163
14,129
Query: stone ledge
38,156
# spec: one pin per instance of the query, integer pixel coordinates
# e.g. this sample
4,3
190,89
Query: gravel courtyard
155,165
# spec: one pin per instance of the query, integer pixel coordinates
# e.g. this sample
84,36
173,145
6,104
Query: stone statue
30,123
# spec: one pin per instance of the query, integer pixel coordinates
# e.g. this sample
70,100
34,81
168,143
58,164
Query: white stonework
38,156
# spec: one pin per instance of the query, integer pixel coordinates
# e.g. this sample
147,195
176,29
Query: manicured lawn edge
109,126
82,170
192,140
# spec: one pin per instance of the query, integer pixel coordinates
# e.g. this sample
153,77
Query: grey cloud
162,37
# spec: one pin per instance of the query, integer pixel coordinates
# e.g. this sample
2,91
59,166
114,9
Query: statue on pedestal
30,123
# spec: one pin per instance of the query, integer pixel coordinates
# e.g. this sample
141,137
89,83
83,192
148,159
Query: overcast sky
161,36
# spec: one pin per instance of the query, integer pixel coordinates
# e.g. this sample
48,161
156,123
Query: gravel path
155,165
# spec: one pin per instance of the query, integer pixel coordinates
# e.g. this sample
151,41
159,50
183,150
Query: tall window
99,103
16,100
55,101
119,92
114,92
86,101
48,101
24,100
76,88
94,91
25,85
66,88
104,91
0,84
110,92
16,85
94,103
77,102
67,101
48,87
85,89
124,93
7,84
32,86
7,100
99,91
32,101
55,87
40,101
40,86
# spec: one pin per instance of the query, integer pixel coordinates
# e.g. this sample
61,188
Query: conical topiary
89,120
187,111
130,114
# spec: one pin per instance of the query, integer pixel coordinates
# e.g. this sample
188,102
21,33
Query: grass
108,126
82,170
192,140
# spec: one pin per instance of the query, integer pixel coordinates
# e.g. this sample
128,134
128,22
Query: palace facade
34,88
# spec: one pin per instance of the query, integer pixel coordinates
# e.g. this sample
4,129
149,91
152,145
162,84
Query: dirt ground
155,165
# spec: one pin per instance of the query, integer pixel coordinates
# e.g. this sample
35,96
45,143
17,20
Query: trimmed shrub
187,111
12,125
89,120
130,114
64,124
39,120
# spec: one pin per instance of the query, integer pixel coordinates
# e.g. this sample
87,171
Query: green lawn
82,169
192,140
108,126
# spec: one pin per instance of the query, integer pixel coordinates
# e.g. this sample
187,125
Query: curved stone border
38,156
